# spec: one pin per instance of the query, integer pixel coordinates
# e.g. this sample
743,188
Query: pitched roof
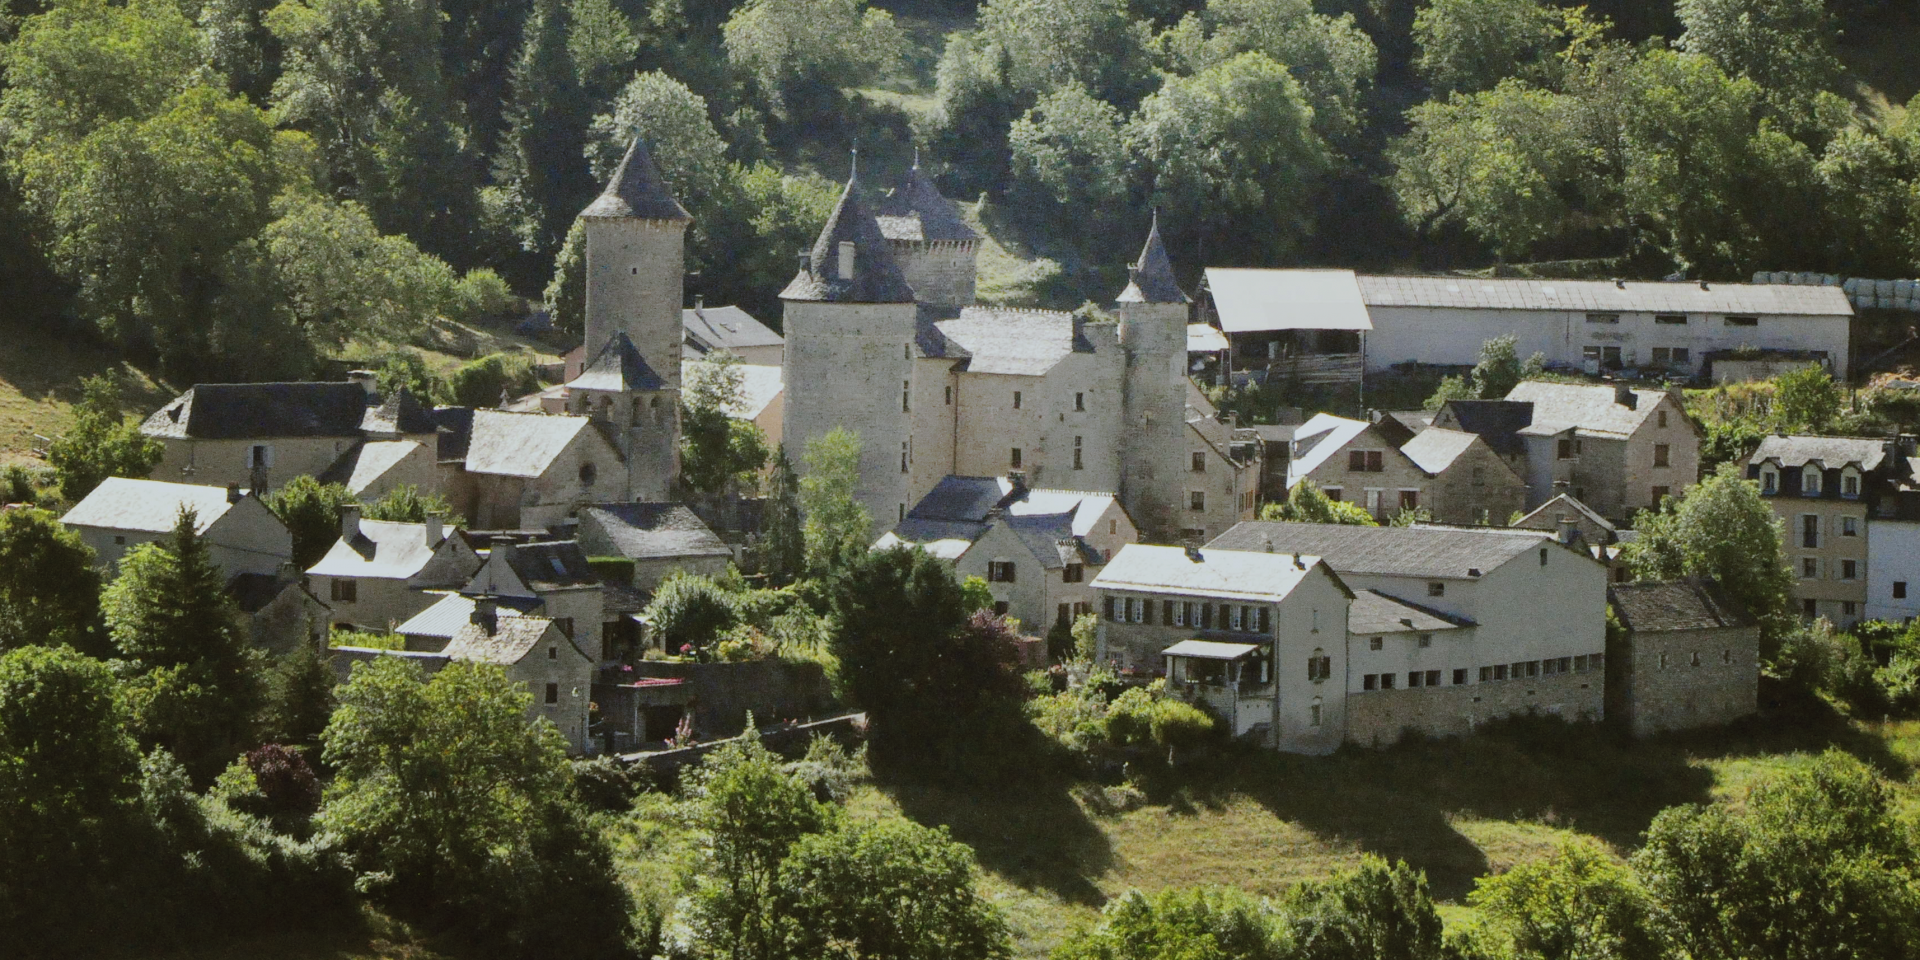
1317,440
244,411
618,368
553,565
1376,612
519,444
1691,604
636,190
759,386
876,278
360,467
400,413
1205,338
725,328
509,643
1587,409
1152,279
1604,296
652,530
1210,650
383,549
916,210
1798,451
1228,574
969,499
1547,515
1498,422
1010,340
1439,553
1049,537
447,616
942,539
1255,300
149,506
1436,448
453,427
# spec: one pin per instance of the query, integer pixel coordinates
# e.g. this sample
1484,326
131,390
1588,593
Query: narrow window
1013,459
1370,682
1199,461
1899,589
1196,500
553,693
1079,402
906,388
949,392
1107,603
1016,399
1460,676
1694,658
1313,713
1810,531
1849,570
1661,451
1726,657
553,652
1849,526
903,456
1078,462
1660,419
1543,556
1166,612
1180,614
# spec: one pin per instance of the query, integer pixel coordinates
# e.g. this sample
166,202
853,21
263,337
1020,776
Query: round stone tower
1153,313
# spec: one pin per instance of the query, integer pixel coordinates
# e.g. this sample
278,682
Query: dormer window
1810,481
1769,481
1850,483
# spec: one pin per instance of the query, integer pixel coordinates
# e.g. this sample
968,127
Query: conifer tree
783,545
540,167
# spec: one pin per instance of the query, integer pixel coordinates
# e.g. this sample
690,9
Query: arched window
1810,480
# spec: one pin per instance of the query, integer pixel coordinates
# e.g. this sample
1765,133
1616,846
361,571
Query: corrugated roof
1604,296
1798,451
725,328
1254,300
876,278
1586,409
1375,612
1212,572
1389,551
636,190
148,506
617,368
1152,279
1692,604
519,444
1013,341
916,211
383,550
246,411
1436,448
652,530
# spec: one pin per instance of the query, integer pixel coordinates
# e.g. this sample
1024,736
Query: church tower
1153,315
636,267
850,321
936,251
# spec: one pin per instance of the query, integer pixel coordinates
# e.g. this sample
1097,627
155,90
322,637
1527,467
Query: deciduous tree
837,525
49,589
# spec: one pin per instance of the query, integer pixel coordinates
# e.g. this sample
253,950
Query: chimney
1266,543
349,521
233,493
435,531
806,262
1018,479
699,302
1193,554
367,379
1624,396
1561,486
486,614
1567,532
502,550
1620,284
846,259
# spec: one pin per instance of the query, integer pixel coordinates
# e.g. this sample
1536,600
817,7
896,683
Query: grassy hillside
40,373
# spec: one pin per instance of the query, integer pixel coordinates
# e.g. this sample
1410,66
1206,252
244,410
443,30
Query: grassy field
40,371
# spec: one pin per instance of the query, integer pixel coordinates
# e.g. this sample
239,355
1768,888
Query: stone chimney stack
233,492
367,379
502,550
1567,533
349,521
435,530
1624,396
486,614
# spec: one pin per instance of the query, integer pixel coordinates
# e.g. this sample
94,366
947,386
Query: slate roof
400,413
509,643
383,550
1433,552
148,506
1547,515
952,516
1436,448
1498,422
553,565
367,462
1152,278
1798,451
453,427
1051,540
876,278
759,386
519,444
1632,296
617,367
1374,612
725,328
1319,439
245,411
1589,410
916,211
1012,341
1251,300
1691,604
448,615
653,530
636,190
1212,572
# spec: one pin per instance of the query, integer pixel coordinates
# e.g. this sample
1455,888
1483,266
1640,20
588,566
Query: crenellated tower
938,254
1153,313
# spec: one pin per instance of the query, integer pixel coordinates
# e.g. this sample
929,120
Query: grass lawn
40,371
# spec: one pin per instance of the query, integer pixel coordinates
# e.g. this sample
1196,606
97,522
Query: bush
285,780
691,613
612,569
490,379
481,295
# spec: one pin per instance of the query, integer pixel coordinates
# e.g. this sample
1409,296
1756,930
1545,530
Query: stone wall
941,272
1478,487
846,364
636,272
721,694
1676,680
1153,425
1380,717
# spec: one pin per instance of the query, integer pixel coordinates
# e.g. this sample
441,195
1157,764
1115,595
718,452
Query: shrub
481,295
486,381
285,780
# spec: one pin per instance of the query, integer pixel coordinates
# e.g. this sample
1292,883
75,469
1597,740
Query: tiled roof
367,462
1389,551
1692,604
1152,280
148,506
636,191
1798,451
1212,572
400,413
876,278
646,531
245,411
1604,296
1591,410
509,643
617,368
1013,341
729,328
1498,422
1435,449
383,550
519,444
917,211
1376,612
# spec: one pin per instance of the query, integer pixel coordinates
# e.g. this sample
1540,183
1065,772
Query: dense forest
238,187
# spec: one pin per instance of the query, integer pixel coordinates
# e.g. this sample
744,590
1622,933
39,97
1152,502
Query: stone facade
942,273
1381,717
848,365
1686,656
1152,429
1380,478
1477,487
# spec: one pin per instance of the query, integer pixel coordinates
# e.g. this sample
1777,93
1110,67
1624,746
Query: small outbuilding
1685,655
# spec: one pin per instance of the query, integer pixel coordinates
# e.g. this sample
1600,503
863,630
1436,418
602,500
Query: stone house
1893,547
242,535
1687,655
1826,491
1353,460
1527,618
1467,483
1253,636
532,471
732,329
659,538
1038,550
258,435
1573,521
550,579
380,573
762,397
1224,470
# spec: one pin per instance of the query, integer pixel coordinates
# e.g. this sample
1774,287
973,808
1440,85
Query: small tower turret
1153,313
936,251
